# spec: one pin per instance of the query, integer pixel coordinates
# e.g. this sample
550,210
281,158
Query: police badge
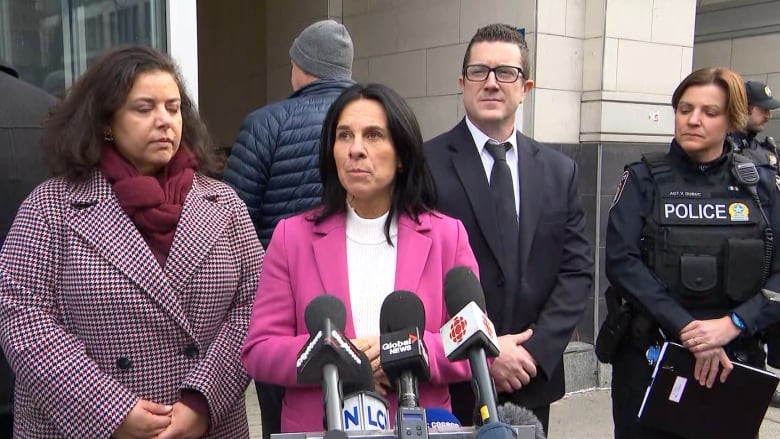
772,159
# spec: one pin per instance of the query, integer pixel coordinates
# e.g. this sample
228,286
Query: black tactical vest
705,242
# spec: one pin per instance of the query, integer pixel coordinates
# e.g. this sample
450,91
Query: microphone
441,420
404,358
364,409
328,354
513,414
470,334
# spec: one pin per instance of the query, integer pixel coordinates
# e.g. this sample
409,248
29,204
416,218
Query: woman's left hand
186,423
703,335
370,345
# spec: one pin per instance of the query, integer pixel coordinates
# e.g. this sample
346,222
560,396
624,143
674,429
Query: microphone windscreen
495,430
461,286
513,414
441,419
401,310
365,381
325,306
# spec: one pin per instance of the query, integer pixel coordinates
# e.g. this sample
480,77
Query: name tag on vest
716,212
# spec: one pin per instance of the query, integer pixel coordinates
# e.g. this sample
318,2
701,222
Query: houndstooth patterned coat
90,322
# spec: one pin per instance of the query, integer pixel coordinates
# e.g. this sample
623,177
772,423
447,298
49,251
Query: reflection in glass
52,42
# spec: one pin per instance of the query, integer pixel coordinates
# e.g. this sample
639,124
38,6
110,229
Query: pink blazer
305,260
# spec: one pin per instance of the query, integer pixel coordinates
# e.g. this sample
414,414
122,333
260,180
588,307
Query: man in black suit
22,167
536,274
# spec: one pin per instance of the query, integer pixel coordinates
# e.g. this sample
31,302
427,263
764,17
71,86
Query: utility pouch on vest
744,263
698,276
615,327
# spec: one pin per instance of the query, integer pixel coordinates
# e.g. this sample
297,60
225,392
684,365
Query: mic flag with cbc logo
470,334
468,327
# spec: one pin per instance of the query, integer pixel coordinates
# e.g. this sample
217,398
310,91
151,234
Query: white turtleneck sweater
370,268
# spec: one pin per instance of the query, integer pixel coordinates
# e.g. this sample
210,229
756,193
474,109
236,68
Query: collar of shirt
480,139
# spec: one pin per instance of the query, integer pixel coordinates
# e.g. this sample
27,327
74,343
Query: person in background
273,164
692,278
126,280
22,167
762,153
760,104
519,202
374,232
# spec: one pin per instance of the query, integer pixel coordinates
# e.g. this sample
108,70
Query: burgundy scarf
153,203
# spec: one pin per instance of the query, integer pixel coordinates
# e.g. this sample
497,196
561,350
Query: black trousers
6,426
270,399
630,376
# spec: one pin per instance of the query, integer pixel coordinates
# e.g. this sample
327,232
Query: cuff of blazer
197,402
546,362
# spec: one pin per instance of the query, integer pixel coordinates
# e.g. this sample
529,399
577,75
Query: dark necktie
503,191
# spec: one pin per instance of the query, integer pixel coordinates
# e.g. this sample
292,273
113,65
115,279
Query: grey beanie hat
324,49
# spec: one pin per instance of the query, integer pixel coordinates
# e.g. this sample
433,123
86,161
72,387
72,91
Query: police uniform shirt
760,152
626,269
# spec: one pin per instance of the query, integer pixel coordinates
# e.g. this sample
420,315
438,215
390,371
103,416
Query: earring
108,136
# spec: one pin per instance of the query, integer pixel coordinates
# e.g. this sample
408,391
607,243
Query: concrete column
635,53
557,49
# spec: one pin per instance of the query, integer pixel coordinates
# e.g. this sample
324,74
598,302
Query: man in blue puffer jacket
274,164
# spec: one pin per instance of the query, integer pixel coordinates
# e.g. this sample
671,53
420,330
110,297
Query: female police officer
689,247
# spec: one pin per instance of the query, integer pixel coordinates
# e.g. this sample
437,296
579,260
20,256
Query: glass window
51,42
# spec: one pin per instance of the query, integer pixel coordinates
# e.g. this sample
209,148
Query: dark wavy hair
413,188
74,132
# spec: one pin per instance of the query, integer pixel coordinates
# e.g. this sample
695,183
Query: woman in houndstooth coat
127,279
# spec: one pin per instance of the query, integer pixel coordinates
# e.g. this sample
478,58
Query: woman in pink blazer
375,232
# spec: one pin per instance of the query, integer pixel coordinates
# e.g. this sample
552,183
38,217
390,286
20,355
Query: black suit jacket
555,272
22,167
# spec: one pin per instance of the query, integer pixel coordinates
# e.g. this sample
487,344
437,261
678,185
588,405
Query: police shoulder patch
622,185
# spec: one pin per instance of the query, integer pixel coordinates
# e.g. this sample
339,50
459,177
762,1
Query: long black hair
413,188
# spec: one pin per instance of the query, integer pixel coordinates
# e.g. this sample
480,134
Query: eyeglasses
479,72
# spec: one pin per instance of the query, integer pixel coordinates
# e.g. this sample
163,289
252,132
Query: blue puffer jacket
274,164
